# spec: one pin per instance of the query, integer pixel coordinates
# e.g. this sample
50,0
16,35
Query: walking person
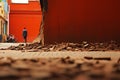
24,33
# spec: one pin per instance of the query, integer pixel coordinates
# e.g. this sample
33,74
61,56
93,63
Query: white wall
20,1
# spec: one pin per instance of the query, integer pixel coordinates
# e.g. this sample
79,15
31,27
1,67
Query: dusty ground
6,45
59,65
115,55
62,65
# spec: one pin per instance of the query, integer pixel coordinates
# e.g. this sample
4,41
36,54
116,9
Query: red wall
25,15
76,20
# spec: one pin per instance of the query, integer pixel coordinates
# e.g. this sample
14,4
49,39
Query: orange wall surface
76,20
25,15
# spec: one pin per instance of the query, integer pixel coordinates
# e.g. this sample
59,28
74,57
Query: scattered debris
82,46
102,58
61,68
89,58
56,69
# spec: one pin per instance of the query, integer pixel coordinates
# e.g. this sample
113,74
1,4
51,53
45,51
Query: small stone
103,58
97,62
71,61
78,65
89,58
69,48
21,44
86,45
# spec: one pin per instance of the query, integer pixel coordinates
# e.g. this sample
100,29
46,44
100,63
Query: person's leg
25,39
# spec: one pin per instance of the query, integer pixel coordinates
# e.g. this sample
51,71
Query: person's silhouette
24,33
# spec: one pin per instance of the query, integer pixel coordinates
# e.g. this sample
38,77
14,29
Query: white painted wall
20,1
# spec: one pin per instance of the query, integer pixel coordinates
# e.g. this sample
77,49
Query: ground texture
59,62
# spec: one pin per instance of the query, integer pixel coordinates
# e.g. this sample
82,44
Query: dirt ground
115,55
59,65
